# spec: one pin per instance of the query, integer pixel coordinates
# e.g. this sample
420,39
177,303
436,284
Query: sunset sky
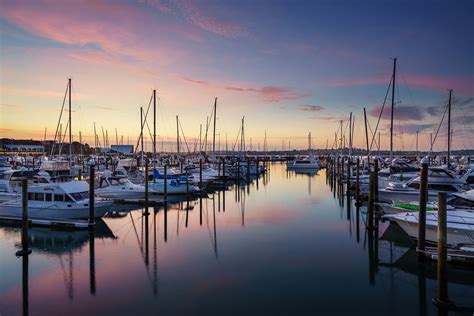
291,67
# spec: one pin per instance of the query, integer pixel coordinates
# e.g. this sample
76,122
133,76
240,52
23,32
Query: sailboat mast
154,127
417,143
393,105
366,132
177,133
350,134
141,131
214,133
70,123
449,124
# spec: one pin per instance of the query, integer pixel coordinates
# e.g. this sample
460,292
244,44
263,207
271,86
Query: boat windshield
78,196
118,181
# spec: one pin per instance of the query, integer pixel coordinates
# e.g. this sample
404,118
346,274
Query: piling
24,223
238,169
248,168
442,300
181,166
223,168
79,175
376,179
165,184
370,207
146,186
348,175
218,169
91,193
187,184
422,202
357,182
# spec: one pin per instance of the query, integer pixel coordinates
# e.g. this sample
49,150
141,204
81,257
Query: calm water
286,245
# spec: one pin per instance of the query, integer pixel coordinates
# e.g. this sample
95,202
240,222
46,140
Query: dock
65,224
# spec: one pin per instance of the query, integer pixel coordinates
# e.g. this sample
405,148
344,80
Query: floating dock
66,224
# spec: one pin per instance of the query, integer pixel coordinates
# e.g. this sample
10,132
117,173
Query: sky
289,67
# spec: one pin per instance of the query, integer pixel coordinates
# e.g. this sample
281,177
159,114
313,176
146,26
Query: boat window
59,198
31,196
470,180
48,197
78,196
39,196
67,198
414,185
120,181
458,201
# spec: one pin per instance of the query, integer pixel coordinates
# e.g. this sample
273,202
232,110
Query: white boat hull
57,212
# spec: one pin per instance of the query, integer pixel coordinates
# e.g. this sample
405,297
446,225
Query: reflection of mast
242,208
68,279
215,228
155,258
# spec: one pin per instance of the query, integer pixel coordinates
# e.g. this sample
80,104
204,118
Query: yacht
307,163
121,188
439,180
460,226
65,200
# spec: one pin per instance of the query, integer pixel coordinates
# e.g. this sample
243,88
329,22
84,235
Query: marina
197,157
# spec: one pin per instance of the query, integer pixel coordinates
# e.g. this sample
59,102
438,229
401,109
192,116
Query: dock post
223,168
348,175
442,300
146,186
182,166
357,182
238,169
248,169
91,193
200,173
370,207
218,169
422,202
376,179
79,175
165,184
25,251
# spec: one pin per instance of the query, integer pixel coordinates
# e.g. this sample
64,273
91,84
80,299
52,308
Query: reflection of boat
120,188
307,172
57,201
46,240
460,226
408,262
308,163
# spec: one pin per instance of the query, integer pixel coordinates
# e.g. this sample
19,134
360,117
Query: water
283,246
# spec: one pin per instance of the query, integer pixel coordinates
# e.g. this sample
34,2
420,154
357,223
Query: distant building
117,150
23,149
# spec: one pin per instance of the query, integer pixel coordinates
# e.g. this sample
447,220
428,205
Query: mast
70,123
341,137
214,134
393,105
154,127
309,141
350,134
177,133
95,138
200,137
141,134
417,143
366,132
449,125
116,137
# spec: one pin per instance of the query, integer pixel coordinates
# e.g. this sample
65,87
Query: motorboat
121,188
62,200
439,180
460,225
306,163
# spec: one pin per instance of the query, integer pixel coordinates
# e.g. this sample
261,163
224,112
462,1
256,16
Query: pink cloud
269,94
190,12
401,112
311,108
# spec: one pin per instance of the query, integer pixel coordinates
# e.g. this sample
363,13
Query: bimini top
53,165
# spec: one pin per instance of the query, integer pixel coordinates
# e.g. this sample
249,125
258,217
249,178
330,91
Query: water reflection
285,243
